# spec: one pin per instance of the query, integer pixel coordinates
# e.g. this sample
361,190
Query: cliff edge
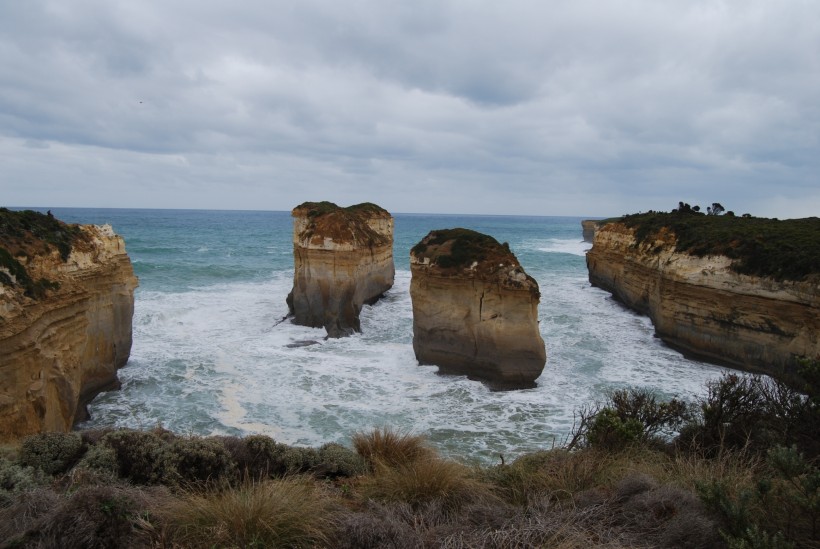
343,259
475,310
737,291
66,306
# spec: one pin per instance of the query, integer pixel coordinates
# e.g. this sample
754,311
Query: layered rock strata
475,310
702,307
63,343
589,226
343,259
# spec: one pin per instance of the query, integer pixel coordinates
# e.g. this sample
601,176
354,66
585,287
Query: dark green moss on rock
459,248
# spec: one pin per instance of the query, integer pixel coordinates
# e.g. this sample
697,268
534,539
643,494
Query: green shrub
142,456
292,460
199,460
52,453
610,432
101,458
254,455
16,478
656,418
336,460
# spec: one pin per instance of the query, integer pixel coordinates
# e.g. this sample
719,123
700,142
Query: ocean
211,355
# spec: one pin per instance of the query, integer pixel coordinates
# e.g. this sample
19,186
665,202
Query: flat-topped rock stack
475,310
66,307
343,259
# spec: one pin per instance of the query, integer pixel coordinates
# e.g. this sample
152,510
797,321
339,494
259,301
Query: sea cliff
475,310
66,309
343,259
745,310
589,227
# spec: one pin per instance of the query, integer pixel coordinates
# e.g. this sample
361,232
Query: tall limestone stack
702,305
475,310
66,305
343,259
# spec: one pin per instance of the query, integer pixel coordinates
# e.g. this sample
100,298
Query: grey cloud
533,107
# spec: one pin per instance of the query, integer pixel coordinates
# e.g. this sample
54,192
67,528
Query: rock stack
343,259
475,310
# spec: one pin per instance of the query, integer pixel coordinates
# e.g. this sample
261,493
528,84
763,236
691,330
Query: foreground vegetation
27,233
741,473
781,249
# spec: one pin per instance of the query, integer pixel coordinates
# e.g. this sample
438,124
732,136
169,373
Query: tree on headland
715,209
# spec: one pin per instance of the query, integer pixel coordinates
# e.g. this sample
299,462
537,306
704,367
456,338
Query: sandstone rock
343,259
589,227
63,337
475,310
702,307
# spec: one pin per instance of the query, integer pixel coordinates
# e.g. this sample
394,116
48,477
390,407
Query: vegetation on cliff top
459,248
742,473
26,234
316,209
343,224
781,249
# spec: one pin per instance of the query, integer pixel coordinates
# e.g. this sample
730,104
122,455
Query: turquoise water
211,357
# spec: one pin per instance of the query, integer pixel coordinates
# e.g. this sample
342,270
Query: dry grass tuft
25,510
426,480
285,512
386,447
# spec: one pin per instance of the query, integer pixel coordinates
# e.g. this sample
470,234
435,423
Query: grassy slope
28,233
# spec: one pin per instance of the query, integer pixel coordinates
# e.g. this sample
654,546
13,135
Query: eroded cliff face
702,307
343,259
61,348
589,227
475,310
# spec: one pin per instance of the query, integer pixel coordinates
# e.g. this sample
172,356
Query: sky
522,107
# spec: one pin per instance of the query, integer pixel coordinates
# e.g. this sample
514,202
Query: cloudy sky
532,107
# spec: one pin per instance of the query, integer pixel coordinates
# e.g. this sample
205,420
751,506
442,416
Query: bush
101,458
628,417
199,460
142,456
291,460
336,460
15,478
609,431
254,455
752,411
52,453
271,513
